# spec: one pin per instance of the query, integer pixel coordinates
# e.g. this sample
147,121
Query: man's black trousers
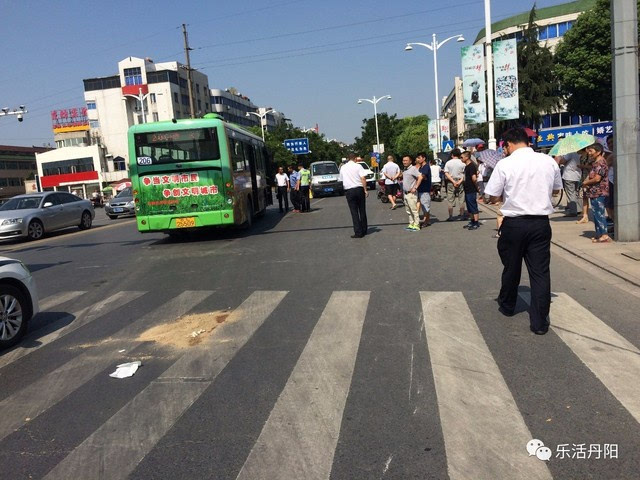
295,199
358,206
305,205
527,237
282,196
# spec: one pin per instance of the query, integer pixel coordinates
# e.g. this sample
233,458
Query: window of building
185,99
176,97
101,83
132,76
206,107
552,31
198,87
152,97
542,33
565,119
119,165
94,124
91,105
555,119
199,105
155,116
61,167
575,119
183,82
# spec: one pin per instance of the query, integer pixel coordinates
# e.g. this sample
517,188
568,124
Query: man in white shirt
355,189
526,181
282,181
454,174
571,179
391,172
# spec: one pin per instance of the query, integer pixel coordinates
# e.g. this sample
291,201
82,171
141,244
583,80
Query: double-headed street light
374,101
262,117
434,46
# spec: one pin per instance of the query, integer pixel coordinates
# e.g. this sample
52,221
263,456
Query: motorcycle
384,196
436,191
97,201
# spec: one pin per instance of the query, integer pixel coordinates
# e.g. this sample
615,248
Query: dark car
121,204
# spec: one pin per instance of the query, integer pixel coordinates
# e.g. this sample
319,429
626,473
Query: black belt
530,217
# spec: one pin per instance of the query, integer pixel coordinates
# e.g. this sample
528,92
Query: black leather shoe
542,331
505,312
357,236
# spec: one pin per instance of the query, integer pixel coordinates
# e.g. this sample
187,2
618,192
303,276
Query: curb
587,258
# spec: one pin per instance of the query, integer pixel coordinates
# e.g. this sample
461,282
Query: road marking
58,299
114,450
484,433
44,393
300,437
67,324
612,359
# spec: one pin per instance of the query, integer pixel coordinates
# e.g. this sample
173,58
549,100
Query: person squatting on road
304,184
471,191
353,180
454,173
596,188
424,189
294,178
526,181
411,180
391,173
282,182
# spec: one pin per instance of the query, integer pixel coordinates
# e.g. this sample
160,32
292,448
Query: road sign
447,146
299,146
375,148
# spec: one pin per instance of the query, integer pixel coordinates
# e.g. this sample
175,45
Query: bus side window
249,155
237,155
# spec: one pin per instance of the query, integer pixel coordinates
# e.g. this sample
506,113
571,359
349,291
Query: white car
18,300
370,177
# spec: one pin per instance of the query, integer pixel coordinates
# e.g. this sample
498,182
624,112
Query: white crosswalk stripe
109,454
300,437
58,299
67,324
483,430
35,399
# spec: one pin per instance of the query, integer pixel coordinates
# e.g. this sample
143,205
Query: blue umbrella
489,157
472,142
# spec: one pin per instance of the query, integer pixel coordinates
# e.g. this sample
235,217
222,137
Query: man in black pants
282,181
355,189
526,181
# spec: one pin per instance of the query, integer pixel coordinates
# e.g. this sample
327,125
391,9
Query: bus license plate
186,222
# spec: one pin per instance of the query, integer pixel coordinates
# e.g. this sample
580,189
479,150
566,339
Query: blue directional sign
299,146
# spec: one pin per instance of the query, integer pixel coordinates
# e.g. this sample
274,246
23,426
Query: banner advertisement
505,74
444,130
433,135
473,84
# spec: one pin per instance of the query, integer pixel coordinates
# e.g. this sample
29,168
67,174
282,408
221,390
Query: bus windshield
155,148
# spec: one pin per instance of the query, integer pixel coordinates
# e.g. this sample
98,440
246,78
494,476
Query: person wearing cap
526,181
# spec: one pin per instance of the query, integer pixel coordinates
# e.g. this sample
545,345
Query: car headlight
12,221
107,204
130,204
315,181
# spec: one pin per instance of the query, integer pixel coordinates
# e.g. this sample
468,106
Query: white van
325,179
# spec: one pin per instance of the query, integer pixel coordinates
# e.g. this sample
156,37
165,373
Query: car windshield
23,203
325,169
125,193
363,165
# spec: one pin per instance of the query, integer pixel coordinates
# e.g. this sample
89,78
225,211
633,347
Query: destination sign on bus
174,136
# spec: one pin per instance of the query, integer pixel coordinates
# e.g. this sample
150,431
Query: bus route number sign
144,161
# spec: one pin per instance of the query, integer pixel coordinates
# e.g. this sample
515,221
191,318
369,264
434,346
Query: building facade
237,108
17,164
142,91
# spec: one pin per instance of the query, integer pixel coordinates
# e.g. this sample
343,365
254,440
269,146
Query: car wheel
85,221
112,217
35,230
14,315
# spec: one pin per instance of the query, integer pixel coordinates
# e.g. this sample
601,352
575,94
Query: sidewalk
618,258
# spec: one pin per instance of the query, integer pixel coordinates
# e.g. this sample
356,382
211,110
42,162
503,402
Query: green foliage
538,87
583,63
399,135
413,140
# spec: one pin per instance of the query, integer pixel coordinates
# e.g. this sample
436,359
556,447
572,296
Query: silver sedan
32,215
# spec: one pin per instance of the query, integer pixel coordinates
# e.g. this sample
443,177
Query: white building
235,107
141,91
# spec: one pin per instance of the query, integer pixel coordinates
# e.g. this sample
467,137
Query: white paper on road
125,370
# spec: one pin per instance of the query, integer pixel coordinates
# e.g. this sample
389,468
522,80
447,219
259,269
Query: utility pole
192,107
624,39
489,57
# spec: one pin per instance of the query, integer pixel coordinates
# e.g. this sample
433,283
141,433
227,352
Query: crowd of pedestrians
294,185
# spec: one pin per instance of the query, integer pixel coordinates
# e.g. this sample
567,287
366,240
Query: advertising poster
473,84
433,135
444,130
505,74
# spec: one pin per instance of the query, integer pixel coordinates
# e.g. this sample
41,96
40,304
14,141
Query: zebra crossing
482,425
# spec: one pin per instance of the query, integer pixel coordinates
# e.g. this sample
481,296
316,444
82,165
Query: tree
414,137
388,127
538,88
583,63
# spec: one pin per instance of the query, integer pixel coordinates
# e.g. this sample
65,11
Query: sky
311,60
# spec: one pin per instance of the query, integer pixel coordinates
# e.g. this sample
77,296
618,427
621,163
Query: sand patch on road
187,331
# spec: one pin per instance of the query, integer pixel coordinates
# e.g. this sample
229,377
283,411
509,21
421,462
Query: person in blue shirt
424,189
294,177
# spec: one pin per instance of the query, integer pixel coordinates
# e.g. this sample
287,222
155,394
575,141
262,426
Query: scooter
97,201
436,193
384,196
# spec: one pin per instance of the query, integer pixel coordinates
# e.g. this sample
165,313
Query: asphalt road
314,355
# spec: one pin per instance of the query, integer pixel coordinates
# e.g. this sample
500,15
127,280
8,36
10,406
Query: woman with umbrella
596,188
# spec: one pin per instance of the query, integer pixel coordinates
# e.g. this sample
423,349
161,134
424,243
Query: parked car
325,179
18,300
370,177
121,204
34,214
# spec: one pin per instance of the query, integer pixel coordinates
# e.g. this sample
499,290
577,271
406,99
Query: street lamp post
262,117
434,46
141,97
374,101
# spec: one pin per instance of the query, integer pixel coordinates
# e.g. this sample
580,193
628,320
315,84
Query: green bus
195,173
